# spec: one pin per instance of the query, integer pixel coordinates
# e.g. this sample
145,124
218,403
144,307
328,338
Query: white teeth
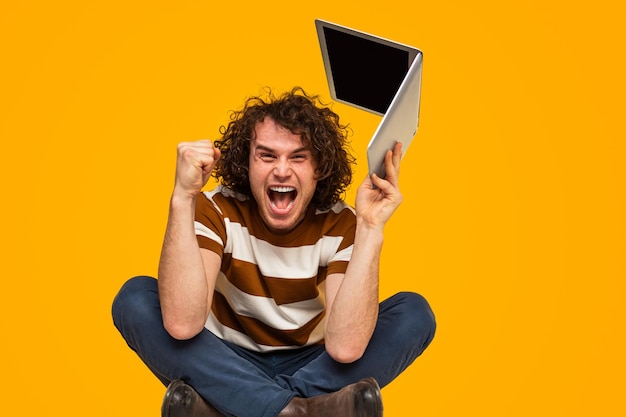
282,189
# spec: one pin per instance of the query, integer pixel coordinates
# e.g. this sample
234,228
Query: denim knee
135,301
414,318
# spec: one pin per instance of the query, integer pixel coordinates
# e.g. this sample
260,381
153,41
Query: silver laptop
376,75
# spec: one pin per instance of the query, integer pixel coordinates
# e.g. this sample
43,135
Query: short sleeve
209,225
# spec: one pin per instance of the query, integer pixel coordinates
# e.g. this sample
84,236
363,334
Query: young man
267,299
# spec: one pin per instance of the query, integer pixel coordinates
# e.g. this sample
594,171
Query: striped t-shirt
269,293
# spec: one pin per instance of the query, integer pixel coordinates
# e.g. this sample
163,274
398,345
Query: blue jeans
244,383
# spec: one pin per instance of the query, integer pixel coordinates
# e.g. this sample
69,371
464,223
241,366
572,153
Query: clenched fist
194,165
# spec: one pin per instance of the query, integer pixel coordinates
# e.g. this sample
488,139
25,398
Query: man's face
282,176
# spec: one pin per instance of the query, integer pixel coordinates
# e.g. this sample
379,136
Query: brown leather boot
183,401
361,399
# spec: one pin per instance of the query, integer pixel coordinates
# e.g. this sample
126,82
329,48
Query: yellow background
512,226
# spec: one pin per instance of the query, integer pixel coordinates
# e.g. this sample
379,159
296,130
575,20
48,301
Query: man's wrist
369,232
182,199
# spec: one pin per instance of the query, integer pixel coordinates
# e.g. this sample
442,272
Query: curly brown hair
303,115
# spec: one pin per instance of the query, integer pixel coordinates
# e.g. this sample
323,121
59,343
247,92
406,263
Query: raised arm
187,273
352,299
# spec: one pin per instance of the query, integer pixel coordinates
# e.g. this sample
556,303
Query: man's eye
299,157
267,157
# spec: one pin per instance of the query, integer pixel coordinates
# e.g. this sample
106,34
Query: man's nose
282,168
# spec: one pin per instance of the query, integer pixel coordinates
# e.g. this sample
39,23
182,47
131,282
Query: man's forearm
354,312
183,288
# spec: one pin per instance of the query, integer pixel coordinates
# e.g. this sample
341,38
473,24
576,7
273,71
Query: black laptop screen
365,73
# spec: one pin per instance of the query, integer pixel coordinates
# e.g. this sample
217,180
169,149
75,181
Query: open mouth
282,198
